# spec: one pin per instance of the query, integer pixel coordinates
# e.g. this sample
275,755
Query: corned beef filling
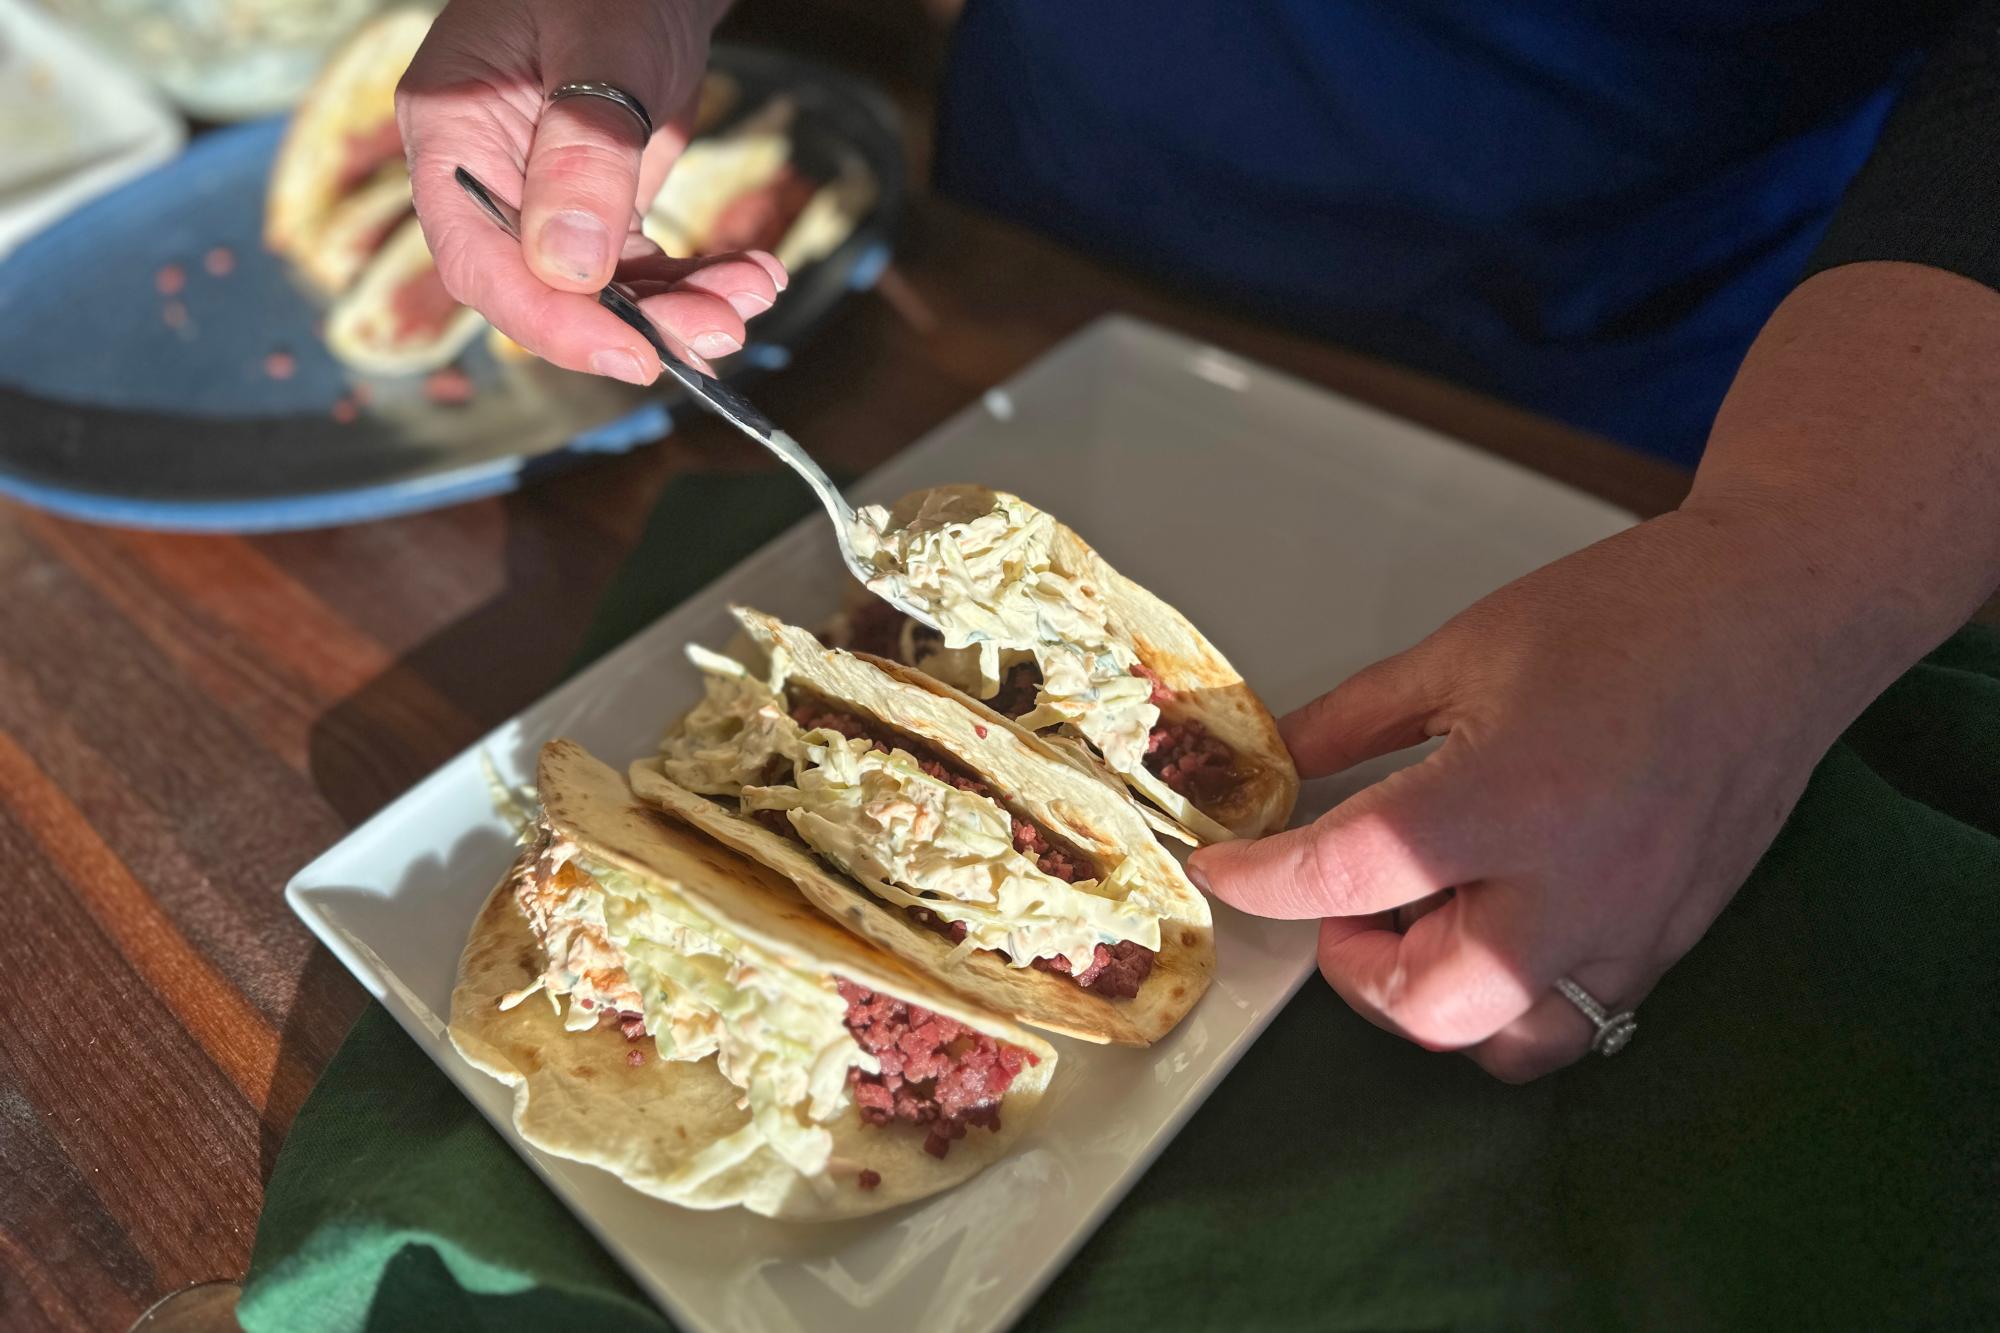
364,151
1180,751
1116,971
1050,857
421,307
1017,690
876,628
758,219
935,1072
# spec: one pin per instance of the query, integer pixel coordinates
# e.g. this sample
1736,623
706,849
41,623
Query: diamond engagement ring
1614,1031
610,92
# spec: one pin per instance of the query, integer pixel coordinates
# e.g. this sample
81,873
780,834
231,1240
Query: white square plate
1307,535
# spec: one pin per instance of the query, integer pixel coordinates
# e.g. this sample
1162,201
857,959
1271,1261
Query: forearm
1862,439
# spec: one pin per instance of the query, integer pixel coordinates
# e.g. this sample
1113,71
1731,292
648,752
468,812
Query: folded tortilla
716,170
355,230
1038,624
933,817
398,319
343,131
738,1089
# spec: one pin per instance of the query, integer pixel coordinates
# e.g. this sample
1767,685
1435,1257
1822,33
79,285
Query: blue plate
123,404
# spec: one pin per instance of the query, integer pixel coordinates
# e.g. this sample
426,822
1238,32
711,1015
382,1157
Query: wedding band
1613,1030
610,93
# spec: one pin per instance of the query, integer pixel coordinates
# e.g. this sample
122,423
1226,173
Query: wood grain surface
185,721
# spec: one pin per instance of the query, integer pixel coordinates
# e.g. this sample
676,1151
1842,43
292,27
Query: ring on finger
609,92
1614,1031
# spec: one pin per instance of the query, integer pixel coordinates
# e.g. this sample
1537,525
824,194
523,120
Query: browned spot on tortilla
1187,938
1179,991
585,1072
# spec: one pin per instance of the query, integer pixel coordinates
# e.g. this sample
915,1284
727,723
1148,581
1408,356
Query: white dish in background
72,124
1306,534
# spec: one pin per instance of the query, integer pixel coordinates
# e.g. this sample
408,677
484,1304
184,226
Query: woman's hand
1624,732
476,95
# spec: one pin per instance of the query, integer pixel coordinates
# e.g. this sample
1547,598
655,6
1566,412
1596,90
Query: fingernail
1200,880
576,243
619,366
714,343
748,305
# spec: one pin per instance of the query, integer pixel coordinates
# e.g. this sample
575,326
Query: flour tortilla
360,329
1208,689
355,230
577,1096
355,94
1030,777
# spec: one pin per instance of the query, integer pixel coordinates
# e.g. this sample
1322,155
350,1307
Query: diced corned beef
1161,694
1048,858
1017,690
935,1071
868,1180
1116,971
449,387
365,151
872,627
421,307
758,219
813,715
775,821
635,1057
1189,760
631,1024
877,628
929,920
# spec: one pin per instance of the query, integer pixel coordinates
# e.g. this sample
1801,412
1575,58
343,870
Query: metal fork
716,396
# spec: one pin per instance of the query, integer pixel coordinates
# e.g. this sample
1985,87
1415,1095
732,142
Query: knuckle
581,167
1326,875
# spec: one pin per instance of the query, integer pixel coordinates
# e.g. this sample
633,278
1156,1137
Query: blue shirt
1586,208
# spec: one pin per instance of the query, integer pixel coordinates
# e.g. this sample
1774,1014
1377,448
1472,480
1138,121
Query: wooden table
185,721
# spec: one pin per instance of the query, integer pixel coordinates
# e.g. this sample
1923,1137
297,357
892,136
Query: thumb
1398,841
582,181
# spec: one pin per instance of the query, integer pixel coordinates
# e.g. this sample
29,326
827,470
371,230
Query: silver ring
1614,1031
610,92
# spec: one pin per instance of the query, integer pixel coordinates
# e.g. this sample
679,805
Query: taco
683,1018
1042,630
715,171
939,833
398,319
343,132
355,230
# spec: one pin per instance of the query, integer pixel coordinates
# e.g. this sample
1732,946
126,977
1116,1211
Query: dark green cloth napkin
1805,1133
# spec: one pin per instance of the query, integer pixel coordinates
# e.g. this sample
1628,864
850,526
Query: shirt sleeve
1930,192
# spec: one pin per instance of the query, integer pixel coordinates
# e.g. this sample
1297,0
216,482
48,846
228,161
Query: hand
1624,732
476,95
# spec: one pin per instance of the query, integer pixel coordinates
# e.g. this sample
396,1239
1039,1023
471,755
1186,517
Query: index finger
484,268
